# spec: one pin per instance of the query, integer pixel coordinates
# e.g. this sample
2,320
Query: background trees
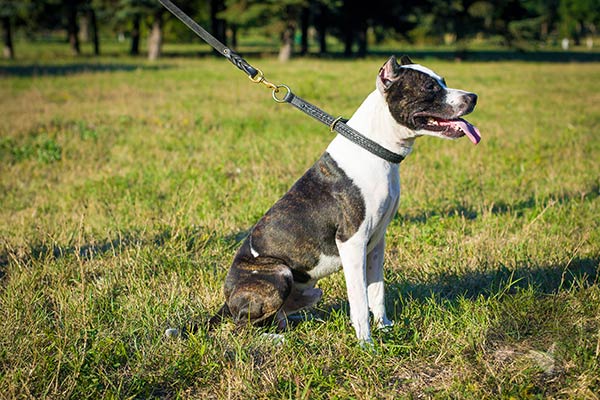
351,24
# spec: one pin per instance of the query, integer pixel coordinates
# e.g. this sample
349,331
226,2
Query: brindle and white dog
336,214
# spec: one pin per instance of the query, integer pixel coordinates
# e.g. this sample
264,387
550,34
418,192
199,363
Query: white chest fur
377,179
327,265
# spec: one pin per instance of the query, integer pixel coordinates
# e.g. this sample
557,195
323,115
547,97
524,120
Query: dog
335,216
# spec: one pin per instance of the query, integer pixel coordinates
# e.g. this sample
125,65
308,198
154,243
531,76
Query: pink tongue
469,130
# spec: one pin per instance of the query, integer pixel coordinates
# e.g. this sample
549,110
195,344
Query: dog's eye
431,86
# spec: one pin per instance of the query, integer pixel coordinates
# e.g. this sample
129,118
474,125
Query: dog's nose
468,102
472,98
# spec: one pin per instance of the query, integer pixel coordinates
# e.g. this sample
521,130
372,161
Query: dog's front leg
375,285
353,254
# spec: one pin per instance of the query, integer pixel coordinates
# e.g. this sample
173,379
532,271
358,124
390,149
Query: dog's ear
405,60
388,73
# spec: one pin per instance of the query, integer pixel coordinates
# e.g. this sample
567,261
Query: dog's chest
377,180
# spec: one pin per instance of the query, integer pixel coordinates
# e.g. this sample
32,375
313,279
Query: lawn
126,187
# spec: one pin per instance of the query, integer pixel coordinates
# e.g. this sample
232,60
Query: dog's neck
374,120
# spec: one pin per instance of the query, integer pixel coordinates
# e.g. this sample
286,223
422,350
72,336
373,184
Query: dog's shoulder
325,193
323,206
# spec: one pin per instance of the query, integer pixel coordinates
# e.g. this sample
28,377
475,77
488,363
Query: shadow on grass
548,279
44,252
518,208
544,280
31,70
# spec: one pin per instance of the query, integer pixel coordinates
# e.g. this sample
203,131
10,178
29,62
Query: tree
72,26
577,17
135,11
289,20
134,50
131,11
218,25
323,15
278,16
354,23
91,26
545,15
13,13
8,11
8,50
304,25
156,35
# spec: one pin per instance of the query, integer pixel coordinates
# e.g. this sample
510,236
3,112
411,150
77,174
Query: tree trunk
578,33
348,41
94,31
72,28
9,51
321,26
155,40
322,41
544,31
234,40
135,36
287,42
362,42
218,25
84,28
349,18
304,22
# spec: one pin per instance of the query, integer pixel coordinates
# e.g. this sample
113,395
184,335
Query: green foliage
522,24
575,15
254,13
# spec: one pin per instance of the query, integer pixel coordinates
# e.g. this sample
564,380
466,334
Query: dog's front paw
385,324
366,344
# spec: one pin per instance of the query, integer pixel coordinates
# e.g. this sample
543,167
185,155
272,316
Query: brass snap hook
260,78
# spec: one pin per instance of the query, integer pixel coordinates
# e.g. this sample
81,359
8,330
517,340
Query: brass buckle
335,121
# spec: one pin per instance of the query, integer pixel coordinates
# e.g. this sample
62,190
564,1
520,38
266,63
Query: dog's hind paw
276,338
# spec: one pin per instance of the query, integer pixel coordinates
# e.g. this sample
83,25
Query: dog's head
419,99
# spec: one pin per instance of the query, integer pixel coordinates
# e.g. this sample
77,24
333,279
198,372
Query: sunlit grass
125,185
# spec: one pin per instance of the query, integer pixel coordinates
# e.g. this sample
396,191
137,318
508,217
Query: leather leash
282,93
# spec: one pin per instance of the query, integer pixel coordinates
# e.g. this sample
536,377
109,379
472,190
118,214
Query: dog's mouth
451,128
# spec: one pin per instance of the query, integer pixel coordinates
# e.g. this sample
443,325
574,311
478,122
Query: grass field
125,188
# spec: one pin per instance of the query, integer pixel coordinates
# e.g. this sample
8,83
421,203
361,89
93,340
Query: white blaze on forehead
425,70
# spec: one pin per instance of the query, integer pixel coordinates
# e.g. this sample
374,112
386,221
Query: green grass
125,187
